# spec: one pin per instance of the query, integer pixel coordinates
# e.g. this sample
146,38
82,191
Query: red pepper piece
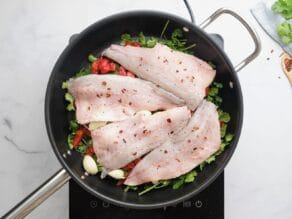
90,151
131,165
135,44
78,137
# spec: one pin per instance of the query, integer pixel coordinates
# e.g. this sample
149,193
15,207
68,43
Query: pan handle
252,33
34,199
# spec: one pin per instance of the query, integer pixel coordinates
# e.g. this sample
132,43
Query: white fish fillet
184,75
119,143
115,98
193,145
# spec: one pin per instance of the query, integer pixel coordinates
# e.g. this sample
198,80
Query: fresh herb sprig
284,31
174,183
176,40
283,7
146,42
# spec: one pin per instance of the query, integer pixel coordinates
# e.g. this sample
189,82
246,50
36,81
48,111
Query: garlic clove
90,165
117,174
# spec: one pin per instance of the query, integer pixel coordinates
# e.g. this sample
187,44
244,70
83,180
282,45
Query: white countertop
33,33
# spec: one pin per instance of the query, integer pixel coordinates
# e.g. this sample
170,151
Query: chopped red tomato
90,151
106,66
131,165
79,135
94,67
135,44
103,66
122,71
112,67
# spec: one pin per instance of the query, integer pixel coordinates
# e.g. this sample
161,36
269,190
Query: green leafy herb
284,31
81,148
146,42
283,7
73,125
134,188
70,99
163,183
213,94
70,139
217,84
228,137
187,178
65,85
211,159
142,39
148,189
151,42
224,117
83,72
190,177
208,161
91,58
176,41
222,146
178,183
160,184
126,38
218,100
223,130
213,91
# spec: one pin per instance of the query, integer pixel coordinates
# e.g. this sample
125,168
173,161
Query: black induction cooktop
209,204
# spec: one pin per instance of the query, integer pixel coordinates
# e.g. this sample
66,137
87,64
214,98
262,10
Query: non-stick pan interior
94,40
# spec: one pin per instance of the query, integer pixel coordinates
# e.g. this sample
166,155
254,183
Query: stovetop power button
198,203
